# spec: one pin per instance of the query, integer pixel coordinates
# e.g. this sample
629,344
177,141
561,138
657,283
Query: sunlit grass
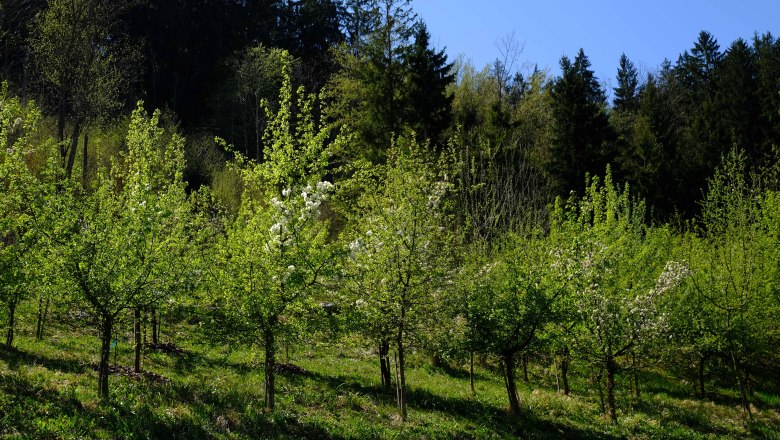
47,390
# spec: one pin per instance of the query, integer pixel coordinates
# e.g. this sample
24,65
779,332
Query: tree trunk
74,143
509,381
9,340
635,376
565,371
401,379
84,161
611,370
525,368
471,373
384,363
137,337
105,352
270,369
601,390
702,362
741,385
155,329
61,129
43,310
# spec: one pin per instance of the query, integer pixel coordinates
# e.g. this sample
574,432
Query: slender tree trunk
565,371
137,337
9,340
43,310
74,142
702,364
601,390
509,381
270,369
635,374
384,363
740,382
611,370
105,353
84,160
39,319
61,129
471,373
525,368
155,329
401,379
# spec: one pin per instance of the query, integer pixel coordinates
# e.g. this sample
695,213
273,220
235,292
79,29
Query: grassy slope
47,391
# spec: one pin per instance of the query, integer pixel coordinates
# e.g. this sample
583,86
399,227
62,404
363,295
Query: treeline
396,196
209,65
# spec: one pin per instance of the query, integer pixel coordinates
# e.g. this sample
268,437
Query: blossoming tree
617,276
116,243
399,258
276,249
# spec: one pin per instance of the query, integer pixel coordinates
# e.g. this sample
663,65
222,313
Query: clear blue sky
647,31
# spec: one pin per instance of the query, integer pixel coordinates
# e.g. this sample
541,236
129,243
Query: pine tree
361,18
310,28
626,92
430,75
738,100
368,94
582,133
767,61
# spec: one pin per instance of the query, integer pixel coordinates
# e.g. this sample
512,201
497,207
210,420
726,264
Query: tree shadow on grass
32,410
30,402
454,372
16,358
471,410
697,420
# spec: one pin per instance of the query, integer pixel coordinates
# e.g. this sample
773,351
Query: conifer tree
626,93
430,75
582,134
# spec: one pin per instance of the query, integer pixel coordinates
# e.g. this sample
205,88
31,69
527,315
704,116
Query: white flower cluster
283,215
438,191
313,198
286,275
356,247
674,273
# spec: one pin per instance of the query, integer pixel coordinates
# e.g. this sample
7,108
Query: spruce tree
582,134
626,92
430,75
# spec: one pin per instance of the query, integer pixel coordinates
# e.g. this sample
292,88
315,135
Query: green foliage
733,259
616,274
268,266
22,203
400,258
85,63
118,244
582,135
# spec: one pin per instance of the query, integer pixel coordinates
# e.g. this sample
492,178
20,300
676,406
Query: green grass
47,390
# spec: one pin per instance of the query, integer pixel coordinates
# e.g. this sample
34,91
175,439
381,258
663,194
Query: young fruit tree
400,257
275,251
116,243
21,199
618,277
510,300
734,263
